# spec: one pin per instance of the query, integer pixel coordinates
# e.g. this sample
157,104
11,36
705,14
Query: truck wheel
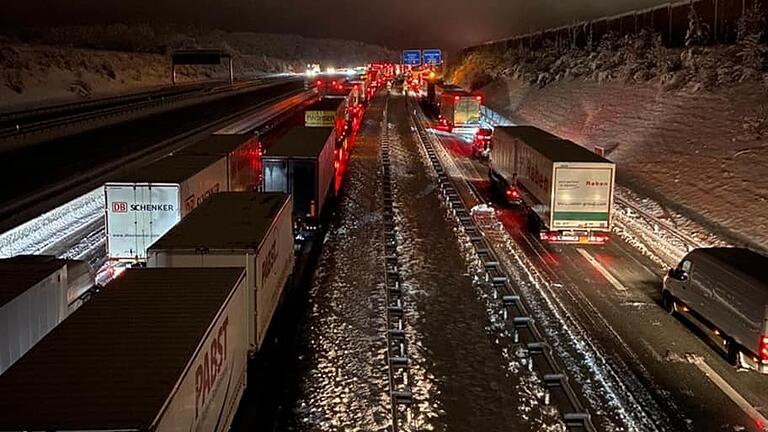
732,351
668,302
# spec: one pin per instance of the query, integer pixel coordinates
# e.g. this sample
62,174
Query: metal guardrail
526,334
400,393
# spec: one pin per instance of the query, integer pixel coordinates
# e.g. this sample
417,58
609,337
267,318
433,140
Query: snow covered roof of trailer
227,220
221,145
20,273
299,142
113,364
170,169
550,146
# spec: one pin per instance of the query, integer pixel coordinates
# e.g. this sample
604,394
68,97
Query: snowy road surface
638,367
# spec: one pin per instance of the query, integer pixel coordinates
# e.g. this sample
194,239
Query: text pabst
209,369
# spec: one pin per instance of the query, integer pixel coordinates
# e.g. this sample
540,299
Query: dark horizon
451,25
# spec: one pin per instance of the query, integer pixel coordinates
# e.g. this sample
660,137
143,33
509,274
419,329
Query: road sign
412,57
432,57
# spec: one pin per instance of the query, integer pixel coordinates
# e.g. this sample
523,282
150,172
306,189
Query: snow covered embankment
700,154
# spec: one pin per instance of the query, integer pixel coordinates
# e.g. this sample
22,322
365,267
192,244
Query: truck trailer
724,291
253,230
300,162
37,292
157,350
567,189
144,204
243,155
328,112
458,111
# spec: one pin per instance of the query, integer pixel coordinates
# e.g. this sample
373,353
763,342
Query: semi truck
37,292
156,350
567,189
328,112
458,111
724,292
300,162
253,230
144,204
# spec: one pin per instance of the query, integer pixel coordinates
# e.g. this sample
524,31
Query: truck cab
481,143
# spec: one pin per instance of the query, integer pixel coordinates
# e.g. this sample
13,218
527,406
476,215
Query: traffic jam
202,243
200,252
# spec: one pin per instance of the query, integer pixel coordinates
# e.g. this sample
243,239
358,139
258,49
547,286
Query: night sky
448,24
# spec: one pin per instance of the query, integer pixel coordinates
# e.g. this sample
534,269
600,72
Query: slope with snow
695,153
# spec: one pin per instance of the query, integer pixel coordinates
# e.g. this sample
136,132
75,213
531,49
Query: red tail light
479,98
456,98
513,193
763,348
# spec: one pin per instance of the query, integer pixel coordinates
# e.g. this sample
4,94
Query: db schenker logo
119,207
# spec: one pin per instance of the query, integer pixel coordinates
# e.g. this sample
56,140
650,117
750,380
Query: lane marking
726,388
599,267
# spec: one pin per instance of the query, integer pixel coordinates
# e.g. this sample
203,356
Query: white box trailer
37,293
569,188
143,205
157,350
247,229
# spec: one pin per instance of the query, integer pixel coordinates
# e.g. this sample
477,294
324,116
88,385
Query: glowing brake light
513,193
319,83
456,98
764,348
479,98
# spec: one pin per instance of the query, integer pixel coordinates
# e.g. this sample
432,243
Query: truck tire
668,301
732,352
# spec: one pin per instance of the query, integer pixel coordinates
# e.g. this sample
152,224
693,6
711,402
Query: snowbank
39,65
702,153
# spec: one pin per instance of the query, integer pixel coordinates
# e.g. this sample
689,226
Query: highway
637,367
612,353
46,175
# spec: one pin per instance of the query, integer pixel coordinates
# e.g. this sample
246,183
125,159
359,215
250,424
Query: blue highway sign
432,57
412,57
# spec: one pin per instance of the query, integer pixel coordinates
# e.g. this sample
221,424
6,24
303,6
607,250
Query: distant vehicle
481,143
725,292
458,111
567,189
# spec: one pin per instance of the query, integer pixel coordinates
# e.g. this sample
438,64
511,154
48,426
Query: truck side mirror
678,274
